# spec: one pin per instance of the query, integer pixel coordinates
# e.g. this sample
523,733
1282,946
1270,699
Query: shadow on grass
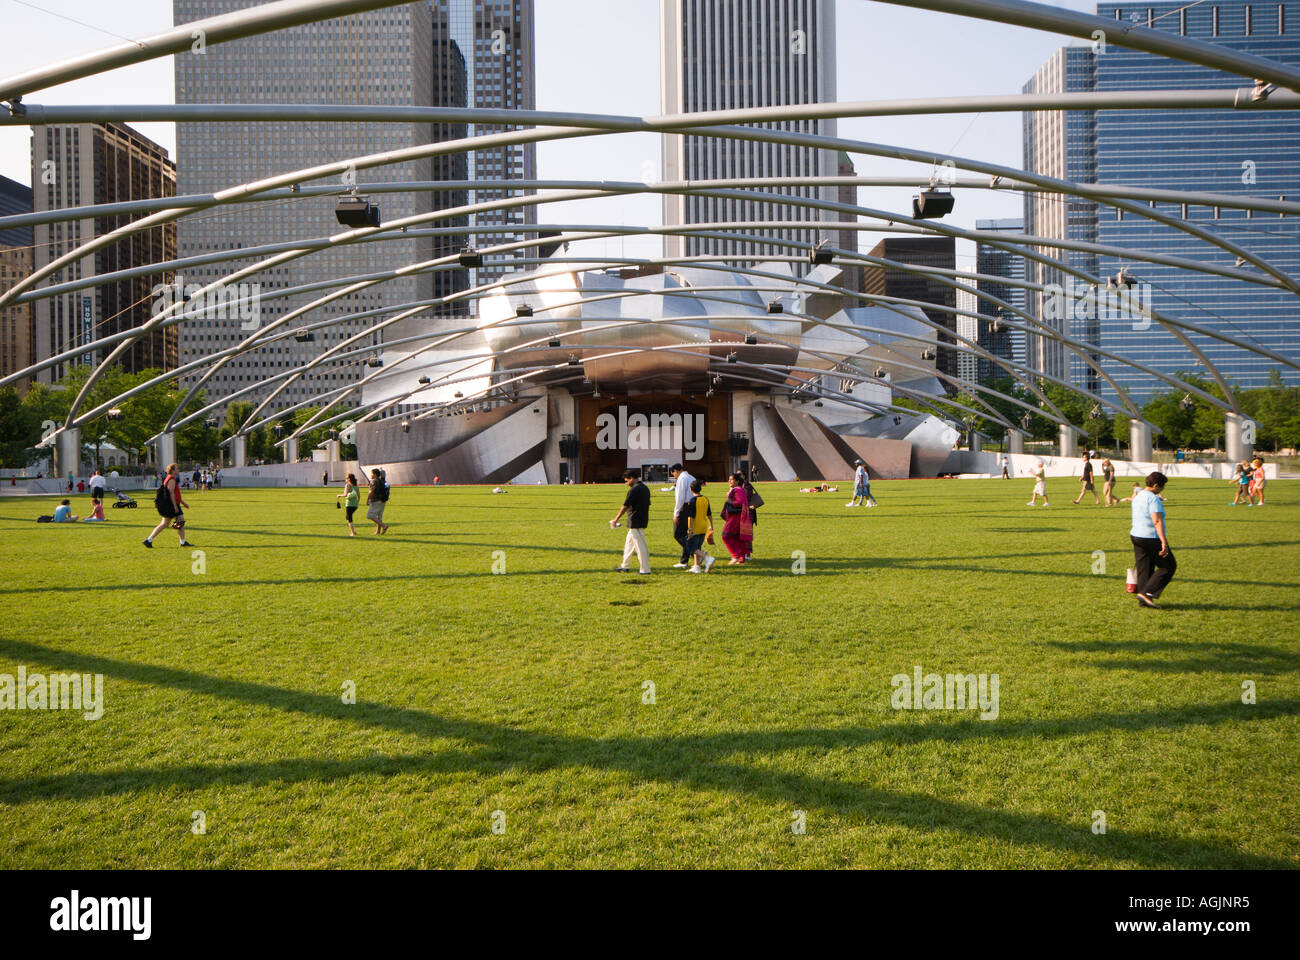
1207,656
693,761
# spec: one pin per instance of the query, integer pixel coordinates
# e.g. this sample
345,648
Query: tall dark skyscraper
897,282
91,163
999,340
17,321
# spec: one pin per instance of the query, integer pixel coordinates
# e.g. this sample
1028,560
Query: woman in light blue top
1151,553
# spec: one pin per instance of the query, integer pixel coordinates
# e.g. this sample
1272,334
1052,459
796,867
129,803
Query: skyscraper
1061,144
938,252
381,57
17,319
727,54
1001,341
967,326
1220,151
483,57
91,163
458,53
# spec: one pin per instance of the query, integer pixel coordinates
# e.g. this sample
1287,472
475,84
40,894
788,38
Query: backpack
382,491
45,518
163,502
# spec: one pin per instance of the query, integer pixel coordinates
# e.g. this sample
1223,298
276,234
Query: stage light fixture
523,310
304,336
553,343
374,362
751,340
425,381
776,307
470,258
821,254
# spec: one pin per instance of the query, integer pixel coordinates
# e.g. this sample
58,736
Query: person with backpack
377,500
170,506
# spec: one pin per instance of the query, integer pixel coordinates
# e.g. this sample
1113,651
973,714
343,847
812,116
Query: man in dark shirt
1088,486
637,508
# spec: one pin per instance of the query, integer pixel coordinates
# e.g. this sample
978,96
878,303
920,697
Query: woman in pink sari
738,534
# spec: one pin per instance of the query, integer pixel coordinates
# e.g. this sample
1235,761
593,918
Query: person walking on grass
738,533
699,524
681,493
1006,467
1258,480
170,506
377,500
861,487
637,507
1241,480
1088,485
1040,486
1108,484
351,497
1151,553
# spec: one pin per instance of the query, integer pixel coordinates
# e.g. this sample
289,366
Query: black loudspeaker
932,204
739,444
569,447
356,212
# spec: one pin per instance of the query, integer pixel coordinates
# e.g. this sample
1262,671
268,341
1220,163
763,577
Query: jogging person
1151,553
637,508
170,506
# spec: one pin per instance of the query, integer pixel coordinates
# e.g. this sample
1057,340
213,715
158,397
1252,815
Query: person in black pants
1151,552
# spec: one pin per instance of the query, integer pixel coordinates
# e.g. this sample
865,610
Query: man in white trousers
681,496
637,508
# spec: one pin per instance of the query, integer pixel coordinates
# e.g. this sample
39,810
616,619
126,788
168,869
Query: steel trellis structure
730,124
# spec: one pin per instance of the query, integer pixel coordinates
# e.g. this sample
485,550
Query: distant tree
20,431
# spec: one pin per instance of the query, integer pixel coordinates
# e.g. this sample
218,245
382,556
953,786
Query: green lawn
522,693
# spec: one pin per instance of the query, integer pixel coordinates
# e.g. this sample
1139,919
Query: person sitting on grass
63,513
96,511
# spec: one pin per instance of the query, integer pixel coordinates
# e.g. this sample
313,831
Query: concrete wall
986,464
289,474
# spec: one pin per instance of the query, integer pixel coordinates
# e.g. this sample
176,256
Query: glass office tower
1206,151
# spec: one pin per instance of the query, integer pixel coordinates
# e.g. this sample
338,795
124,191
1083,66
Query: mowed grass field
516,700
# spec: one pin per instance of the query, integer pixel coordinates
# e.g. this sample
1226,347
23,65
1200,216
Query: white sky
602,56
